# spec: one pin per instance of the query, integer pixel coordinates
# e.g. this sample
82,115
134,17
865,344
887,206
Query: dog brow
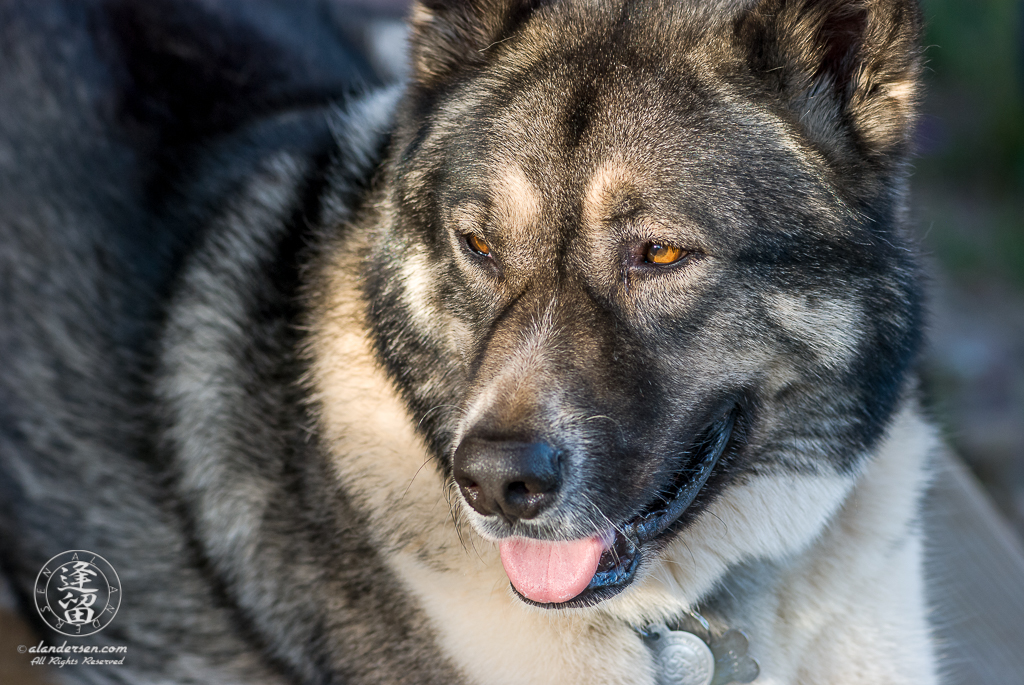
517,201
603,190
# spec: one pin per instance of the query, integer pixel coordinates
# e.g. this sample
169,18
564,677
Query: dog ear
448,35
846,69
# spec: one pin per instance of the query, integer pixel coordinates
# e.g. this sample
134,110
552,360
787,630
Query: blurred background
969,207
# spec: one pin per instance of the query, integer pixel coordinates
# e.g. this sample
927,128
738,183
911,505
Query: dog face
637,253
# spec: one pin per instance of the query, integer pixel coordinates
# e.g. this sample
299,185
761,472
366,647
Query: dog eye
661,254
477,244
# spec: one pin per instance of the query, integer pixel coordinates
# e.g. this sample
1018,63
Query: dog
601,328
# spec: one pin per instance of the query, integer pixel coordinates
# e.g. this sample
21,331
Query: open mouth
622,549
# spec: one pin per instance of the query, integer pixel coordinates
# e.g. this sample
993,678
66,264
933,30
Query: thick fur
245,332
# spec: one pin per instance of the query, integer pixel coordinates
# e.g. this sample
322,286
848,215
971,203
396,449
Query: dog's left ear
450,35
846,69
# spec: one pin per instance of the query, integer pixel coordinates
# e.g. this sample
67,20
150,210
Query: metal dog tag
732,665
681,658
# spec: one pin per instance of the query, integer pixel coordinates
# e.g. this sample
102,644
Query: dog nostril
515,480
518,488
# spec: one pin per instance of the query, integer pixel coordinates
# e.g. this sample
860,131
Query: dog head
634,253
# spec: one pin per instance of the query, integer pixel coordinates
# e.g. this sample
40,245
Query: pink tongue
548,572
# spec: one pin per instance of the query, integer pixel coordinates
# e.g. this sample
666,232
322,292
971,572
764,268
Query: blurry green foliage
970,175
974,55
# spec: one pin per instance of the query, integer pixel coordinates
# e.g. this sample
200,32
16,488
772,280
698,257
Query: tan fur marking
417,279
599,199
517,201
903,92
420,14
378,454
828,327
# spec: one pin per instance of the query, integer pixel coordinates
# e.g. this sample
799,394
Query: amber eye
477,244
658,253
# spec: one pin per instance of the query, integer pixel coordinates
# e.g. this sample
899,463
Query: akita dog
586,356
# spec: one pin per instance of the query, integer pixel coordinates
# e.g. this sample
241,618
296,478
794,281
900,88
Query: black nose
515,480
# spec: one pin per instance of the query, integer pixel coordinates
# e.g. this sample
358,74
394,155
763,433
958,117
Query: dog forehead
638,158
554,140
563,147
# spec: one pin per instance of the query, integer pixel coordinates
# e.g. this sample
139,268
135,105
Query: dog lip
654,519
619,563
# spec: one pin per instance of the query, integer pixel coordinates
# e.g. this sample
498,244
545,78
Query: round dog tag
681,658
